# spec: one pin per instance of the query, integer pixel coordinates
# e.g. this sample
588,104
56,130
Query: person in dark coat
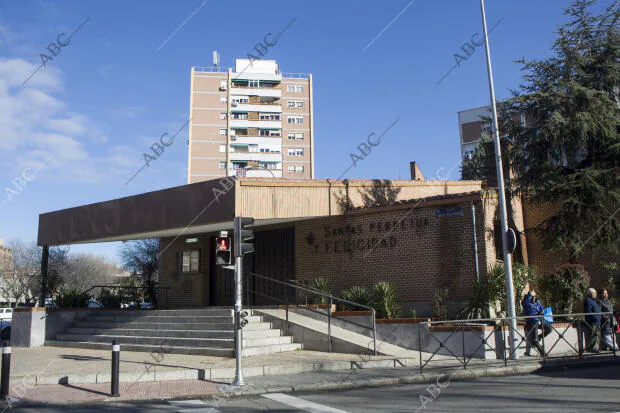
532,307
592,327
608,321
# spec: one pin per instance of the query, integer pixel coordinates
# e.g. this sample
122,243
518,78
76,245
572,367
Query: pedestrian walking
592,323
533,307
608,321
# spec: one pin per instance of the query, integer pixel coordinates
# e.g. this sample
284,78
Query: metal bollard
6,370
116,361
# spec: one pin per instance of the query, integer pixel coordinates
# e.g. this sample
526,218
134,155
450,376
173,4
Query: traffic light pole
238,331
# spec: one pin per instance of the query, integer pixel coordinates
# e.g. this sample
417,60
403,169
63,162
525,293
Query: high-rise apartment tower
253,121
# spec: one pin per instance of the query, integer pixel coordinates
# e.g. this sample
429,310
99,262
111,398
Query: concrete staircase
312,334
208,331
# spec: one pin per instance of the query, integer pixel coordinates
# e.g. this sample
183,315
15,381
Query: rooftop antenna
216,59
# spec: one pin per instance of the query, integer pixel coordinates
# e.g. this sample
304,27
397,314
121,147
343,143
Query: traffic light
223,254
243,237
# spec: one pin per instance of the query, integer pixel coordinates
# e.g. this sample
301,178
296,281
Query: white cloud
36,126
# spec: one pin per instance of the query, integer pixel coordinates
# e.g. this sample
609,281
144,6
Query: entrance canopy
210,206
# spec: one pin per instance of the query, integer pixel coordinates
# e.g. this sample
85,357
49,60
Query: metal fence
536,338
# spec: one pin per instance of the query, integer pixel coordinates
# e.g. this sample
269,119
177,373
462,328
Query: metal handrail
497,319
331,299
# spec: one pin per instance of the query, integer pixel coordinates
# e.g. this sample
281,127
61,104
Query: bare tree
83,271
141,258
19,271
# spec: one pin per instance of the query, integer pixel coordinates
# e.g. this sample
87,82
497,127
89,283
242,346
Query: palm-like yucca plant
320,284
359,295
384,300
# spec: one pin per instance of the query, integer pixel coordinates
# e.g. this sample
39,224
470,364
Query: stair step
192,351
153,332
154,341
168,319
267,341
149,312
156,326
171,326
275,348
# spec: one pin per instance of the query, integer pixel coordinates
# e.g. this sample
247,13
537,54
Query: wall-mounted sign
449,212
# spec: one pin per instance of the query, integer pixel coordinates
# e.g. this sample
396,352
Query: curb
431,377
218,373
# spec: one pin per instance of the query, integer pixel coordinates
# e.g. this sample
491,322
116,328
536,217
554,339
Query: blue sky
83,121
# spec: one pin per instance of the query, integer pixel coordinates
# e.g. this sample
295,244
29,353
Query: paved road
583,390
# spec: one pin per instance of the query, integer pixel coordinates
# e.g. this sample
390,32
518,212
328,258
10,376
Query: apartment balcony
249,107
255,140
255,156
256,173
260,124
256,91
246,75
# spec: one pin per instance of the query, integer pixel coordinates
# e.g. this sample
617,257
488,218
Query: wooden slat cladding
305,198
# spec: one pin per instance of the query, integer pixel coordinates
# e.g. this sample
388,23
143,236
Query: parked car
6,313
5,330
94,304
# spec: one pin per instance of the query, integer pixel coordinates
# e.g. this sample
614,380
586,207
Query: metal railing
296,75
211,69
329,299
572,331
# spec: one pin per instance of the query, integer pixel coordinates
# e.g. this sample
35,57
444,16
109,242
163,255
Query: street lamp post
510,305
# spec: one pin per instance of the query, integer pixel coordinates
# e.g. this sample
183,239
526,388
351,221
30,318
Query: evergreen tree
567,152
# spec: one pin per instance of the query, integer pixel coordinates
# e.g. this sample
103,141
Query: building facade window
295,119
223,99
222,131
222,165
294,88
253,83
295,168
299,136
191,261
295,152
295,104
223,116
239,115
240,99
222,148
269,116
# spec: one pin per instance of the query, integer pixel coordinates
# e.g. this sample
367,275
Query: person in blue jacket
592,326
531,307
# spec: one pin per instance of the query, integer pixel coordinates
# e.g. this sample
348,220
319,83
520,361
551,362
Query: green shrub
489,293
320,284
413,313
384,300
562,289
359,295
71,298
109,299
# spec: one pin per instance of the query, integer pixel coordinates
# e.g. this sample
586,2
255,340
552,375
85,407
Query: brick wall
186,290
547,262
411,248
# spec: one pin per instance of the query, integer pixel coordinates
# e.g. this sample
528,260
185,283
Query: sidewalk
24,393
54,365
